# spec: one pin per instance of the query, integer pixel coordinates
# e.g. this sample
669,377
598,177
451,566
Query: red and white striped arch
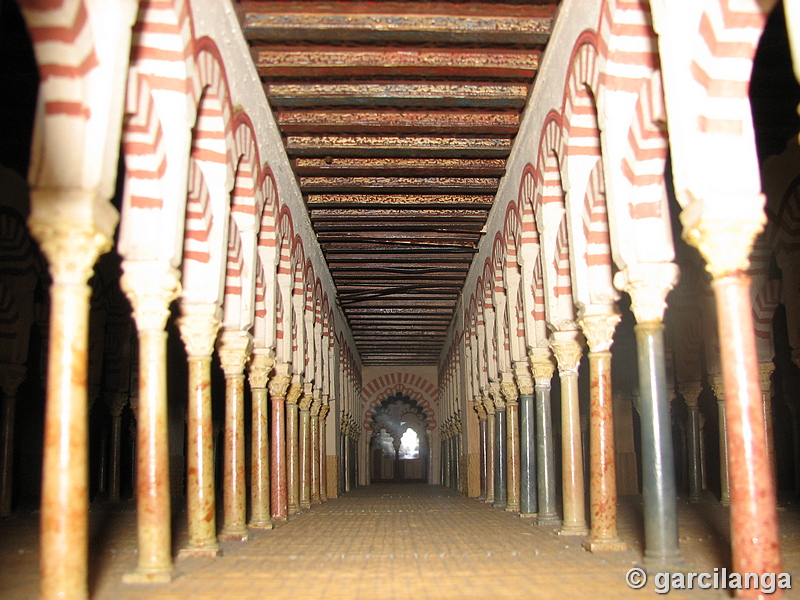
285,285
298,306
490,321
597,257
528,251
268,252
415,387
513,276
500,300
196,241
163,91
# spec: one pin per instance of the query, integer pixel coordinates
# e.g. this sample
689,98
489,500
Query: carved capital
718,386
71,249
497,395
522,374
150,287
724,229
479,409
568,351
541,360
280,380
324,410
509,388
199,325
598,329
305,401
11,377
316,406
765,370
690,391
488,405
116,402
234,349
261,363
648,285
295,390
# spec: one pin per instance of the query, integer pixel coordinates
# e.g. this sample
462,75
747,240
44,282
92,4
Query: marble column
765,370
315,451
234,348
304,455
724,480
528,501
511,395
199,326
599,332
116,404
293,444
500,465
541,360
568,352
11,377
278,386
479,408
323,449
490,446
151,292
691,393
260,366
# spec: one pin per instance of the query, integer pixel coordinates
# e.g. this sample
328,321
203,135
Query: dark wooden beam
404,200
394,185
399,167
399,146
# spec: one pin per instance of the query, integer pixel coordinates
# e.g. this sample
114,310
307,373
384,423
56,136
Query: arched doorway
399,449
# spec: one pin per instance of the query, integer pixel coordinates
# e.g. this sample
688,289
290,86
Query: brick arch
283,315
196,240
246,199
529,233
597,256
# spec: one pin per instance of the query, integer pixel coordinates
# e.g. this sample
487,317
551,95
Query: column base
612,545
154,576
260,525
237,535
664,564
204,552
574,530
500,505
548,521
305,505
528,515
293,510
725,502
514,509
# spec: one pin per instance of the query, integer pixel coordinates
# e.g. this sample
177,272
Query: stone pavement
400,541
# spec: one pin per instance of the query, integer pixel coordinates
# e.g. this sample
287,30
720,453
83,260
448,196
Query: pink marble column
260,366
293,445
755,542
305,454
11,377
599,332
199,326
278,386
151,293
234,350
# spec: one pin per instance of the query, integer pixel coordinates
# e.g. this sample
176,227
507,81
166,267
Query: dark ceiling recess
398,118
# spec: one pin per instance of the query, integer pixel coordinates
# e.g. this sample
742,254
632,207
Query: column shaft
528,502
500,465
724,478
116,454
305,459
545,456
153,515
315,460
65,498
483,457
603,472
662,552
6,454
490,457
693,444
278,489
292,458
200,499
754,524
512,456
234,491
259,461
572,482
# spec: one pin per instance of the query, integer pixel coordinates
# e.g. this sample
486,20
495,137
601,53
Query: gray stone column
500,466
691,392
528,501
541,360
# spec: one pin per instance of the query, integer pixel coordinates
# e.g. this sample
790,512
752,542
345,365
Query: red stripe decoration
595,221
764,305
561,262
199,220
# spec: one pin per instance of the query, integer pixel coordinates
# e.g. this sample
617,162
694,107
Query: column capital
765,370
295,389
495,392
280,380
11,377
71,248
509,388
724,229
690,390
648,285
234,347
116,402
316,406
261,363
488,405
568,351
305,400
477,405
199,325
522,373
541,360
717,385
151,287
598,328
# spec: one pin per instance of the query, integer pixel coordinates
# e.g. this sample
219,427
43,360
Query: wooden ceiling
398,117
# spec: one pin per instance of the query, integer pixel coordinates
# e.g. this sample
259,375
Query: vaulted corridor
393,541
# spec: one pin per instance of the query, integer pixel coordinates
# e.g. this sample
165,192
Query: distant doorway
399,448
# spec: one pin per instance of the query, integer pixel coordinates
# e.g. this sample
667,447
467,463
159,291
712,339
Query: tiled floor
391,542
